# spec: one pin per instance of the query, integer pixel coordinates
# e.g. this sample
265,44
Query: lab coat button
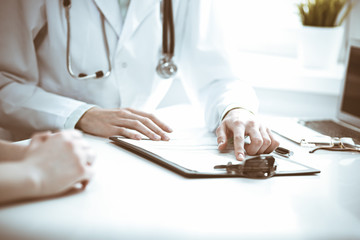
124,65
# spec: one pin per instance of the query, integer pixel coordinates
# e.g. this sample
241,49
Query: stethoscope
166,68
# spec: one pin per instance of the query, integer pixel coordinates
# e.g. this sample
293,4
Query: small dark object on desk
283,152
262,166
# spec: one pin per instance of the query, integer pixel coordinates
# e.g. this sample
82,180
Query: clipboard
157,156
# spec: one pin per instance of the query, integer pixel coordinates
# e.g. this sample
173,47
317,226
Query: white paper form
199,151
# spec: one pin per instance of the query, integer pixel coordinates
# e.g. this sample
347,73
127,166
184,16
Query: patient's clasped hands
59,161
50,165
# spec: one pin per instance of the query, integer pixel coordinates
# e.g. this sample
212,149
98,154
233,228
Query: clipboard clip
262,166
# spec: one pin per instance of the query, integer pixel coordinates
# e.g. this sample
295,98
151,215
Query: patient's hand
52,164
58,162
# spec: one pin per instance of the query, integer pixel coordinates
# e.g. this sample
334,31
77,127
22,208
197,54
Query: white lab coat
37,92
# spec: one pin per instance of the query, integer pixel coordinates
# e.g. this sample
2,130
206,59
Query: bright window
264,34
261,26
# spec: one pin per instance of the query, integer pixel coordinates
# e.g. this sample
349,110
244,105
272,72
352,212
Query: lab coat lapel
137,12
111,11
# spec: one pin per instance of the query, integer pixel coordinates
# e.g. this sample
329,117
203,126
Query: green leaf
323,13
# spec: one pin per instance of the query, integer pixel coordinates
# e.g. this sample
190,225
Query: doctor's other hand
57,162
239,123
125,122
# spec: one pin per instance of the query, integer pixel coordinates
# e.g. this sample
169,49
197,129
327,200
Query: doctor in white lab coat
38,93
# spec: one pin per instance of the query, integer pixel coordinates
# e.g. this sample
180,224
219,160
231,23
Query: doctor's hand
239,123
125,122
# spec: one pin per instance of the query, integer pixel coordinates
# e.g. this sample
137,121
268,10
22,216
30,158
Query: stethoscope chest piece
166,68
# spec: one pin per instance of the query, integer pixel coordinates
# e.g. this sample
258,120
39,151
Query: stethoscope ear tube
83,76
66,3
168,30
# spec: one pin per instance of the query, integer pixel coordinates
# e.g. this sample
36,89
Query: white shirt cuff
74,117
233,106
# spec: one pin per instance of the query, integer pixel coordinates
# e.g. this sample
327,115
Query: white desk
133,198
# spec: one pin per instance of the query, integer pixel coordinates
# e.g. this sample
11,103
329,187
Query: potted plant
322,32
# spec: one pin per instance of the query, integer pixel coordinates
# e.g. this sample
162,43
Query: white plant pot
319,47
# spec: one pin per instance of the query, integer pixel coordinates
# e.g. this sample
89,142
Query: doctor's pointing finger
239,124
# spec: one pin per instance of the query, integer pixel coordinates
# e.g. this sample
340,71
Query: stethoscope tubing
168,43
166,67
83,76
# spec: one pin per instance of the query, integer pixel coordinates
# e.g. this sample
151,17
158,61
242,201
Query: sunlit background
262,39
